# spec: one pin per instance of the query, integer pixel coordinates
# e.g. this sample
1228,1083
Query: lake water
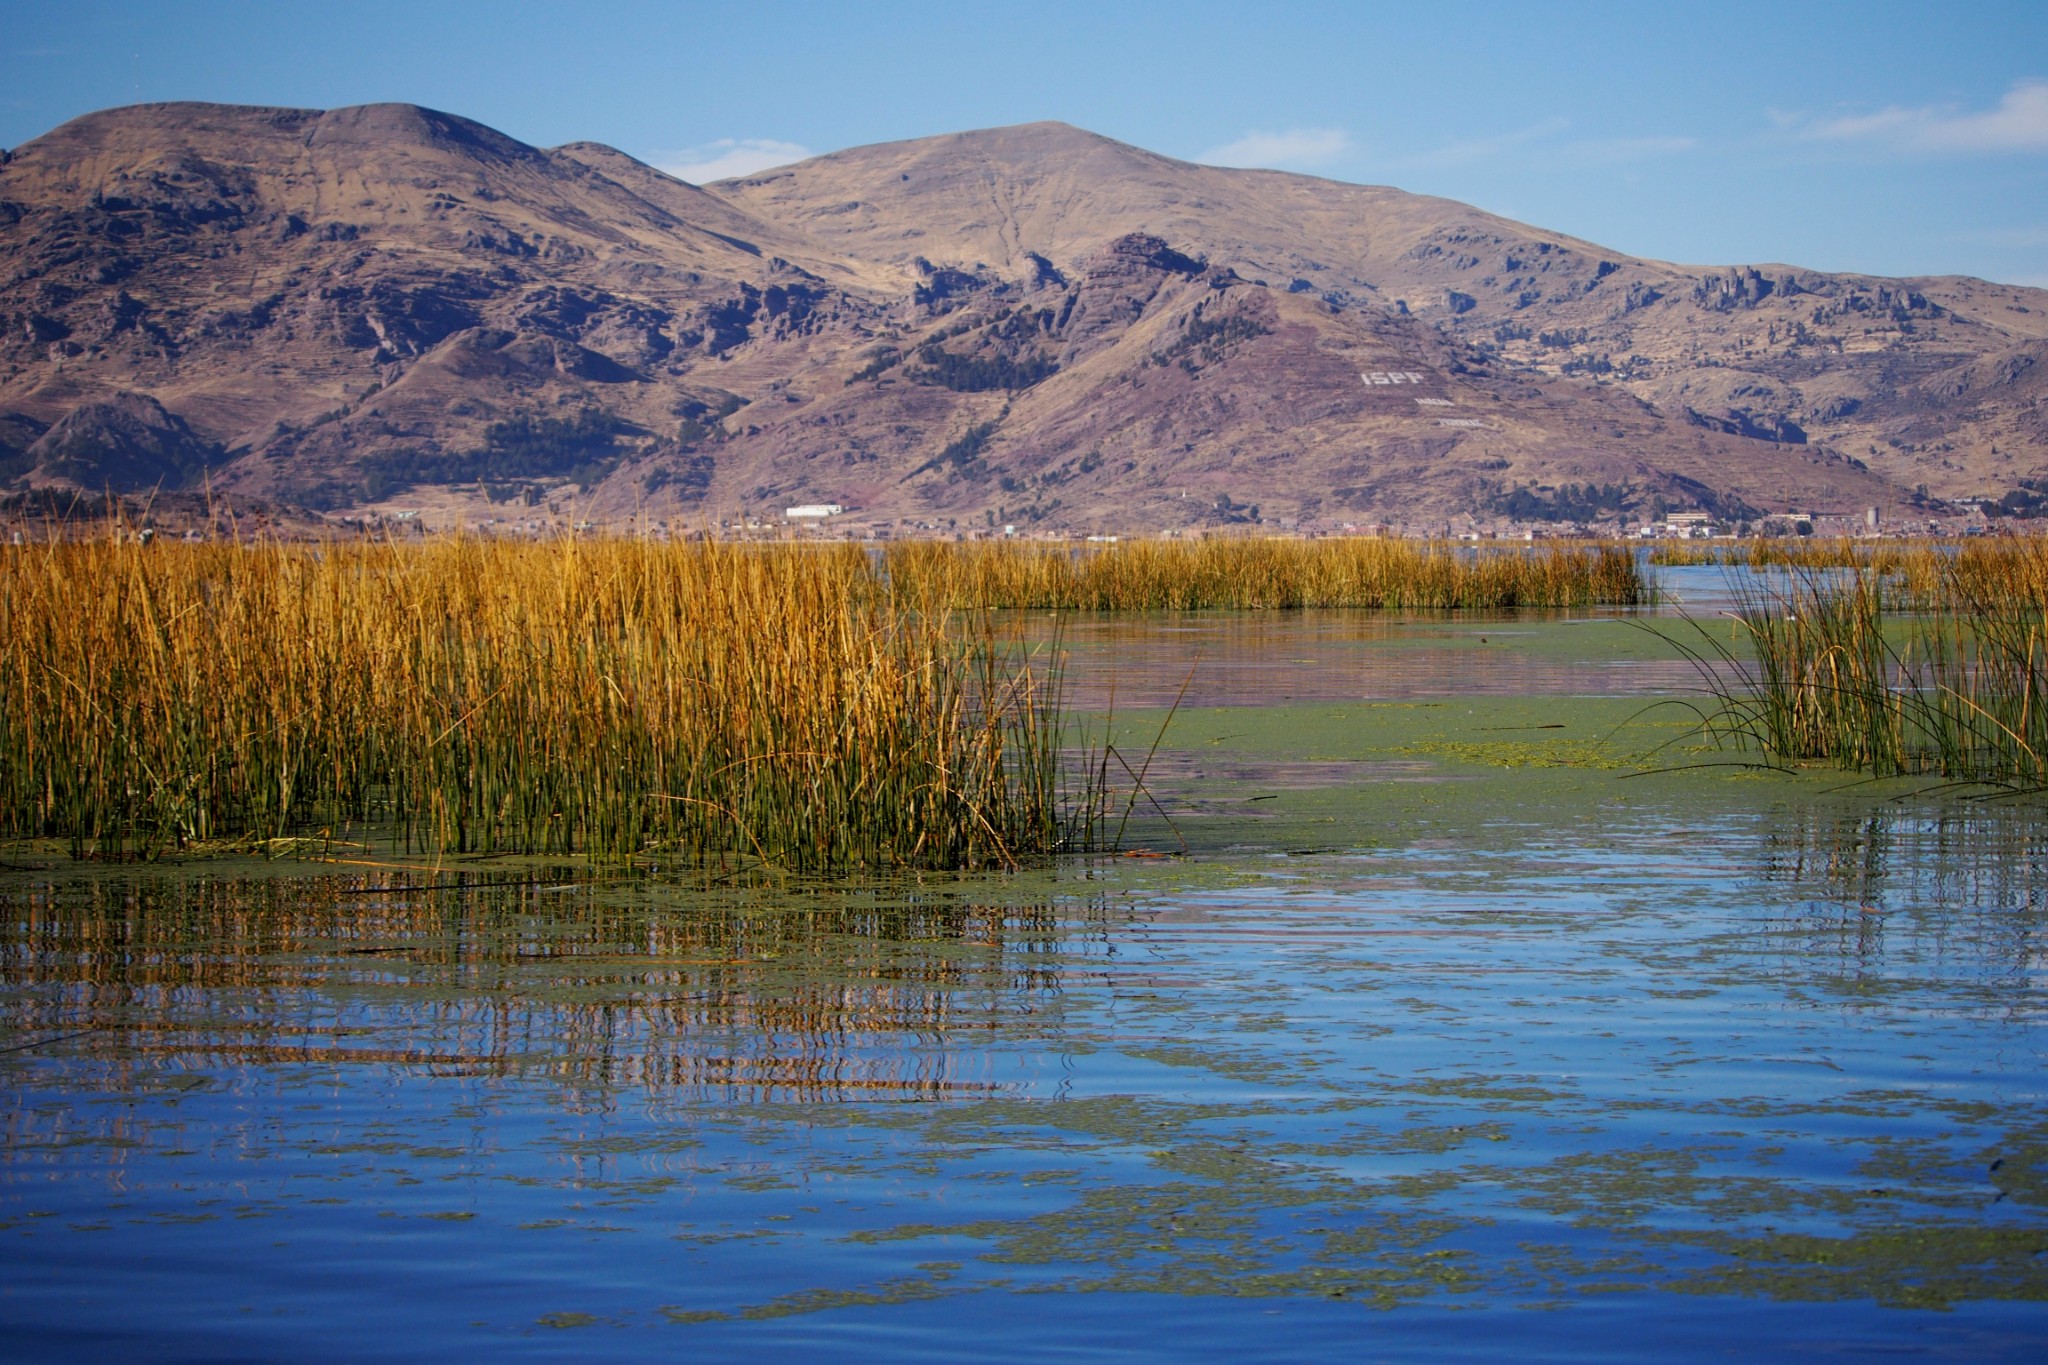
1470,1017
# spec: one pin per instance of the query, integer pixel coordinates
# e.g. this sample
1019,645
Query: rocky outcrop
1757,426
18,432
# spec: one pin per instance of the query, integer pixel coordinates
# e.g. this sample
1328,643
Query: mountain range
386,307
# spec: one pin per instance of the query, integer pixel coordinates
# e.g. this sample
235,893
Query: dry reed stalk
1245,573
608,698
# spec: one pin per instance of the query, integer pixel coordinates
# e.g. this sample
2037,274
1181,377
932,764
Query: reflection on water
1986,856
1263,659
1230,658
1760,1068
732,998
1787,1068
1891,894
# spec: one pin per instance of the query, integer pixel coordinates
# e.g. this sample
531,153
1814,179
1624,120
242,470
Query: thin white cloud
2018,124
1302,147
731,156
1294,147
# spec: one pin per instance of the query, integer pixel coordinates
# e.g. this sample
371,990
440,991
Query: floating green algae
1443,1007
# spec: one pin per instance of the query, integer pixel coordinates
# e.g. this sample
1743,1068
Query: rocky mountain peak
378,129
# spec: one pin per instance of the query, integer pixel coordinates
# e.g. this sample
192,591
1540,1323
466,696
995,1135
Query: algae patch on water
1367,775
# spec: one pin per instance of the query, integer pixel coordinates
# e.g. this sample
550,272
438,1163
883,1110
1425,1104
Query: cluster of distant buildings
1967,519
1696,524
833,520
1683,524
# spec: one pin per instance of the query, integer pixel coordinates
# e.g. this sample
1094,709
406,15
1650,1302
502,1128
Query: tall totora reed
611,698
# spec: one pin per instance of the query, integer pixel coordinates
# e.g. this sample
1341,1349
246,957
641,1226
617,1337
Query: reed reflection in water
1958,892
1781,1062
1263,659
832,993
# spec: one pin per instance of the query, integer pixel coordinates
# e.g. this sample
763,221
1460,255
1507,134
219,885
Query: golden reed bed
812,708
1263,574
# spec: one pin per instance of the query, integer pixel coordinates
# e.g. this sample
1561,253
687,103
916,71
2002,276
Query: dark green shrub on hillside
1208,337
970,445
978,374
1571,502
2028,500
876,368
583,448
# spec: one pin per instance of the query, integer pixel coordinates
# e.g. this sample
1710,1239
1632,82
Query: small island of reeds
1896,659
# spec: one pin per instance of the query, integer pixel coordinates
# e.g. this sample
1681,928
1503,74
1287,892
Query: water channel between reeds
1454,1008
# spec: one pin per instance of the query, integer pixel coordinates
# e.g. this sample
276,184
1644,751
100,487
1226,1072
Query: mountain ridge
1032,324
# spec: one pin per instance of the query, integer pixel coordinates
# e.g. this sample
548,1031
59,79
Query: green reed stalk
1954,686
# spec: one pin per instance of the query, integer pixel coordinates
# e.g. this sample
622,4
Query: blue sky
1887,137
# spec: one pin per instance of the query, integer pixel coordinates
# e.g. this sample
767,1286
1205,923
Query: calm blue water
1692,1078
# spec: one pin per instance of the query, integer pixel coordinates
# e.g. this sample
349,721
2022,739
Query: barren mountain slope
315,288
391,306
997,197
1145,389
1890,371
